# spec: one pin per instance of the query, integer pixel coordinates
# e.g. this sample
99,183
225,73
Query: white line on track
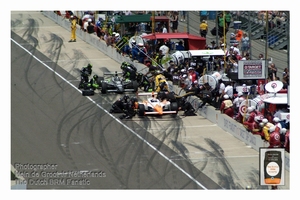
198,153
176,127
116,119
93,59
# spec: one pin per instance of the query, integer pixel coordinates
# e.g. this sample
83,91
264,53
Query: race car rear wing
157,113
147,93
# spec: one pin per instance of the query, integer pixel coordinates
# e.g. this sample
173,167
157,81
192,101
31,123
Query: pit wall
223,121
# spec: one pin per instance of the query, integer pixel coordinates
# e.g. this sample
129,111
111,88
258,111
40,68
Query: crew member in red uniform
227,106
287,139
192,74
250,123
274,140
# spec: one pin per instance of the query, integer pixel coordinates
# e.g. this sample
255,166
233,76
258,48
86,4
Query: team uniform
287,141
73,29
274,140
85,72
161,83
250,123
227,106
129,71
266,127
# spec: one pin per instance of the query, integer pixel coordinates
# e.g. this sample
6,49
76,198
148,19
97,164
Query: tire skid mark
136,159
226,180
173,135
28,35
230,174
30,30
56,43
135,156
68,135
253,177
104,151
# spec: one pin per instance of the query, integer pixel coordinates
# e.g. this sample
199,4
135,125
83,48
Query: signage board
251,69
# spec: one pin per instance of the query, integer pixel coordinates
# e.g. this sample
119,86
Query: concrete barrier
223,121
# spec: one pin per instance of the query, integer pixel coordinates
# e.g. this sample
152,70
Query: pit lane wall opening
226,123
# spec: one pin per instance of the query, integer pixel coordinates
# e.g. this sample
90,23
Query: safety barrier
223,121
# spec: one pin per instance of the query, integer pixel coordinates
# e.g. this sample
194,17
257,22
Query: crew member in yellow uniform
73,29
203,28
266,127
161,83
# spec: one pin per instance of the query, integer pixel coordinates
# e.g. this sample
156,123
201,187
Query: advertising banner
251,69
272,166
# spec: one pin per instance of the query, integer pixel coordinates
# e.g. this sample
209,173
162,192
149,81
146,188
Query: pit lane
194,143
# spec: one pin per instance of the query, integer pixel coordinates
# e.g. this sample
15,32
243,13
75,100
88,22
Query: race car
156,106
115,83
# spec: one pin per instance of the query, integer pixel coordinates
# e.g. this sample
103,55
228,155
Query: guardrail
223,121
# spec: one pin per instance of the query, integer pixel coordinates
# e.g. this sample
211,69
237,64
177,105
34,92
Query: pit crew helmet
163,86
95,76
276,119
257,119
272,129
158,72
126,97
283,130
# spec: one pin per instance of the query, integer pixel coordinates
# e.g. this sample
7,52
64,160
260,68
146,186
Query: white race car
152,105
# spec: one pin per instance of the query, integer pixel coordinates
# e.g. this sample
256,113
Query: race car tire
104,88
99,81
135,86
141,111
174,106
